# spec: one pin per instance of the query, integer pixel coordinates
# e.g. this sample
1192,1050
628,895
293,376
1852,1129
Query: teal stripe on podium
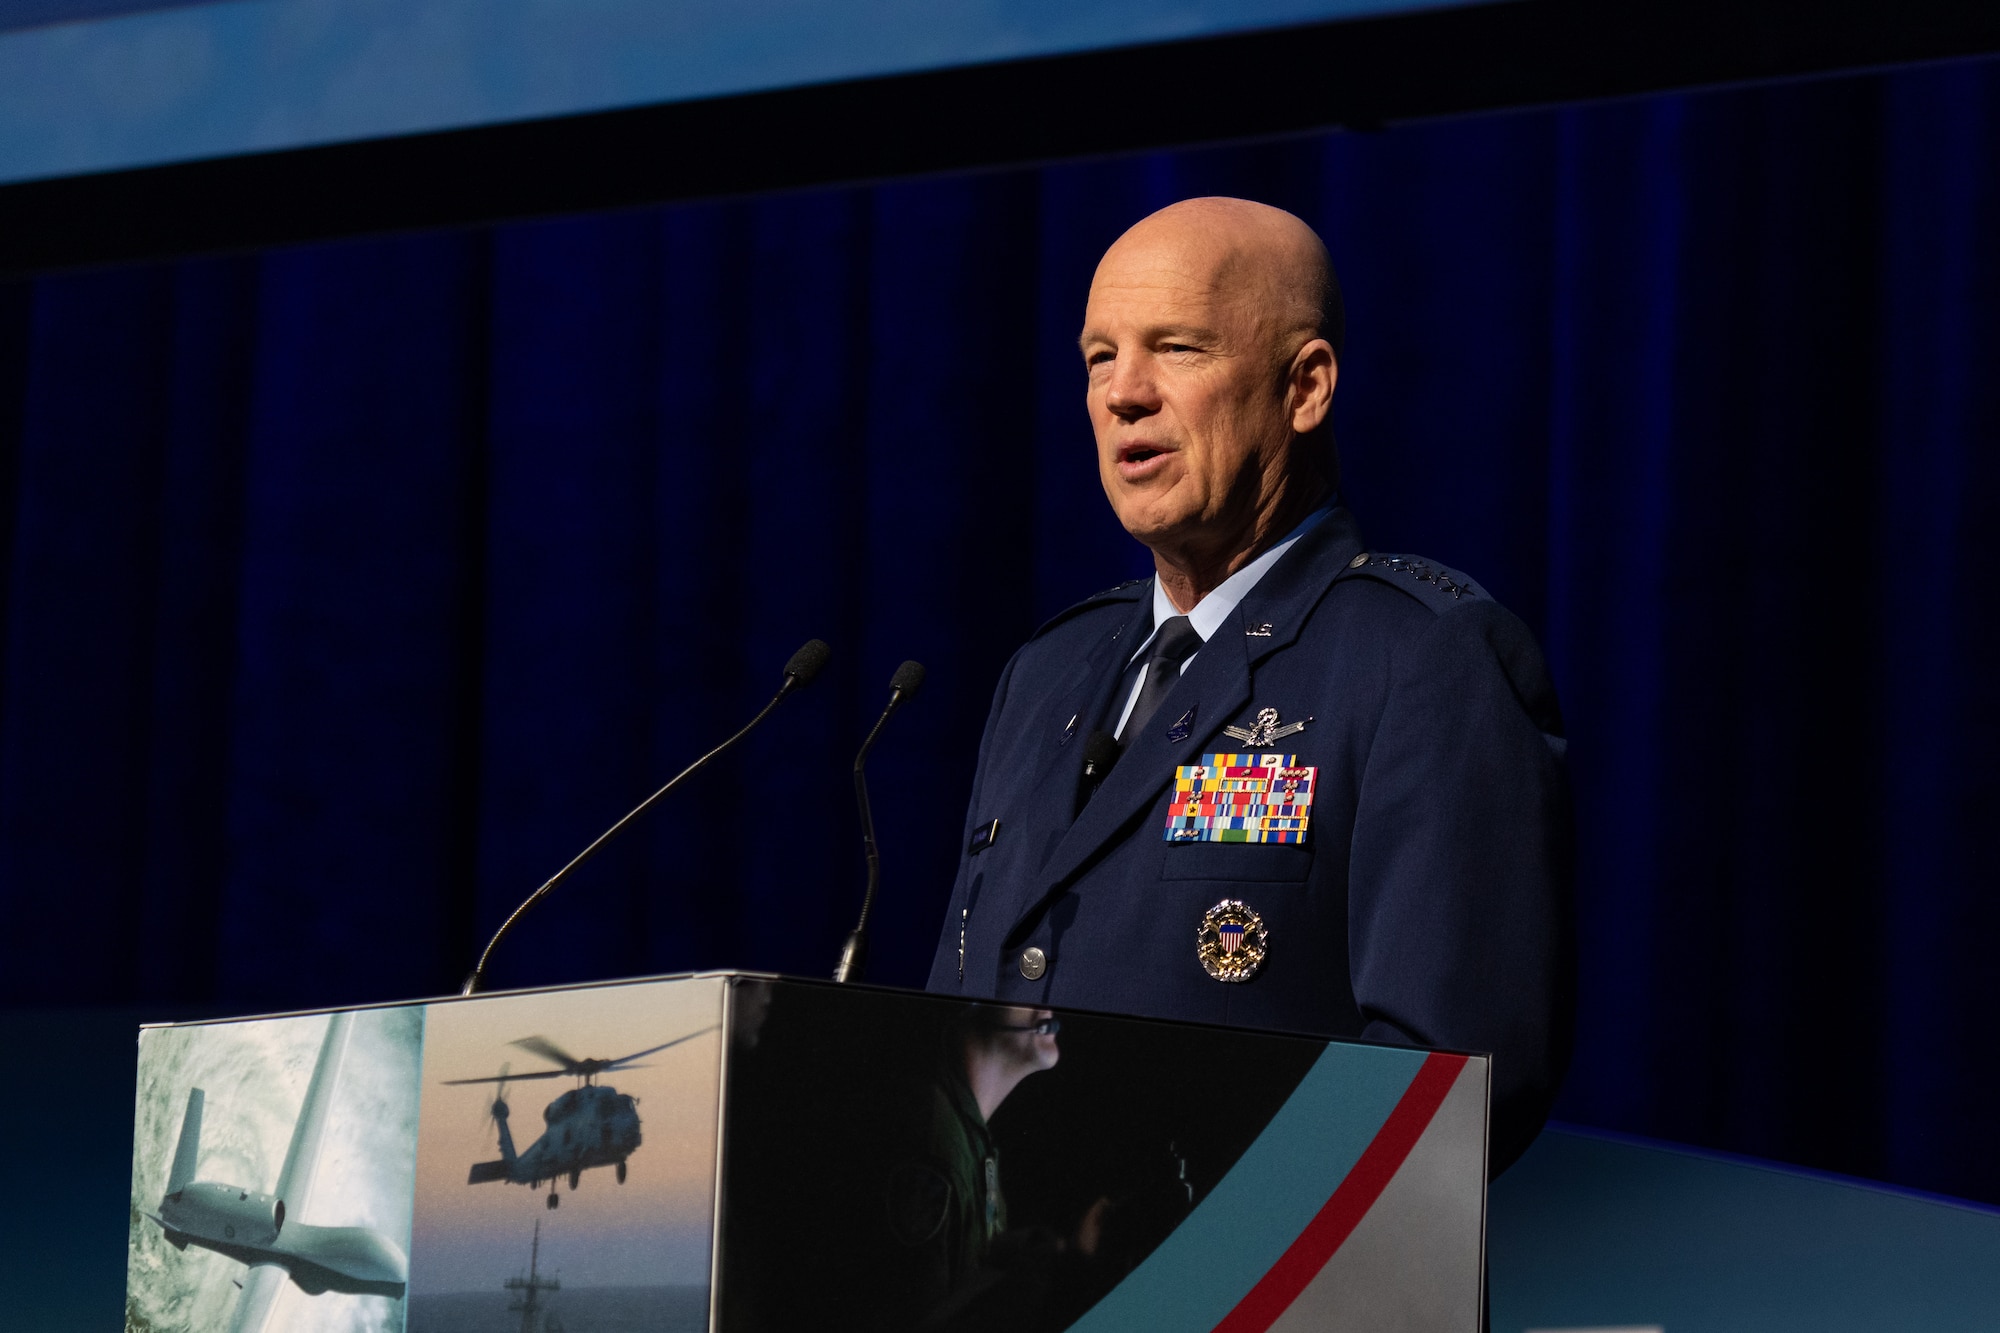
1232,1238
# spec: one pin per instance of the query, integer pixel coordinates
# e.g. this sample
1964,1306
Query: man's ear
1314,372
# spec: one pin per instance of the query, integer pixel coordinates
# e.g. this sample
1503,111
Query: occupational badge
1265,730
1231,941
1241,798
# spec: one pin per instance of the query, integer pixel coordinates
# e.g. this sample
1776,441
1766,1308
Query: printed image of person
944,1199
906,1165
906,1227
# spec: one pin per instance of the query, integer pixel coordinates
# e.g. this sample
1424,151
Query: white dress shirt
1210,611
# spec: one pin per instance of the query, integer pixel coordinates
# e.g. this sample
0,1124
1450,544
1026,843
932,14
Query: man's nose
1131,391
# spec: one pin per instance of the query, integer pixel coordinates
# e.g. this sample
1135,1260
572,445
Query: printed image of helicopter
590,1125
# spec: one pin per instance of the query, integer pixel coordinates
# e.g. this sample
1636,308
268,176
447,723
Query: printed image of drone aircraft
590,1125
263,1230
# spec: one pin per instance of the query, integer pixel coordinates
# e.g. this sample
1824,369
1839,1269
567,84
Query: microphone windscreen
807,661
908,678
1100,752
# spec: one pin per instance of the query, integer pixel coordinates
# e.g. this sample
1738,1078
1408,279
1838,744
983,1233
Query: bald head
1211,339
1261,256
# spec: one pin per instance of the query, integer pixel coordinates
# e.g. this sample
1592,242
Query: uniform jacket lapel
1216,686
1084,694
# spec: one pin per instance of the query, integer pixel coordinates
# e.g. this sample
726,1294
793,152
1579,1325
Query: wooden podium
739,1153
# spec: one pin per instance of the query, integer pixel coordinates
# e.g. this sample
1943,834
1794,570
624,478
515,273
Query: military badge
1241,798
1265,730
1231,941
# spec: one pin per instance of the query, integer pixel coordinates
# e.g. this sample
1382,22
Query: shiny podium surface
743,1152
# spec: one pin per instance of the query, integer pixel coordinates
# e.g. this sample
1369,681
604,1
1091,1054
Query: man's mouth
1140,459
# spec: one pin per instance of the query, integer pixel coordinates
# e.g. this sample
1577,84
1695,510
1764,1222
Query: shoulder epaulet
1422,579
1128,591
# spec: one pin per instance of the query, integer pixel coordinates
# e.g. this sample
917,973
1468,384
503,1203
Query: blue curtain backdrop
349,589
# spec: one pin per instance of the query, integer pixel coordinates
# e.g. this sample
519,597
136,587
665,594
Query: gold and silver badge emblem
1266,730
1231,942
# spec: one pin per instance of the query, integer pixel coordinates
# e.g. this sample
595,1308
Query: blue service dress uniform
1429,902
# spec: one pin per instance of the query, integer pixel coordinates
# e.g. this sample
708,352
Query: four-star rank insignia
1265,730
1231,941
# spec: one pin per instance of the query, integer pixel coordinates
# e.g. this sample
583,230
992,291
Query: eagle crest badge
1231,941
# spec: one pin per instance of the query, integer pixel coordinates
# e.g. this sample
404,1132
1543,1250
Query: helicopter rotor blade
509,1078
487,1124
622,1061
548,1050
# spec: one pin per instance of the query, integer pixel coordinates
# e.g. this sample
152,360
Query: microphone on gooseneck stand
799,672
853,964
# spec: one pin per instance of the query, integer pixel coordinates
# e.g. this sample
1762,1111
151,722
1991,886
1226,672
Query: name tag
1241,798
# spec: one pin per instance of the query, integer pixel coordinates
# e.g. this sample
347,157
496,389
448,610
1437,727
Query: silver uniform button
1033,963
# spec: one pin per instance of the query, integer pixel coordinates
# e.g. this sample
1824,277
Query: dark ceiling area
1362,75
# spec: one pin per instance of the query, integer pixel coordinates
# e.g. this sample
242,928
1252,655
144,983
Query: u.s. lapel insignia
1231,941
1265,730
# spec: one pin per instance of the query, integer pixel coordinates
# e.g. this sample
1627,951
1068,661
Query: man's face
1027,1041
1188,390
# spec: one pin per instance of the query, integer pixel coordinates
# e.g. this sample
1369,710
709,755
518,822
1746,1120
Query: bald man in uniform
1406,879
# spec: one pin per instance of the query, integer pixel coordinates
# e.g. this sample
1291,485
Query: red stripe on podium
1335,1222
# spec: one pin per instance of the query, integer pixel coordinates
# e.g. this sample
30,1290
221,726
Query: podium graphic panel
590,1155
971,1167
750,1154
272,1170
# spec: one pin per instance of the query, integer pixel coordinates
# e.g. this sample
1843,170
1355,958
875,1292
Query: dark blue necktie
1176,642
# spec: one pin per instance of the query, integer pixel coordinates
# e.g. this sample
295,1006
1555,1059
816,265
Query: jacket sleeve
1461,932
